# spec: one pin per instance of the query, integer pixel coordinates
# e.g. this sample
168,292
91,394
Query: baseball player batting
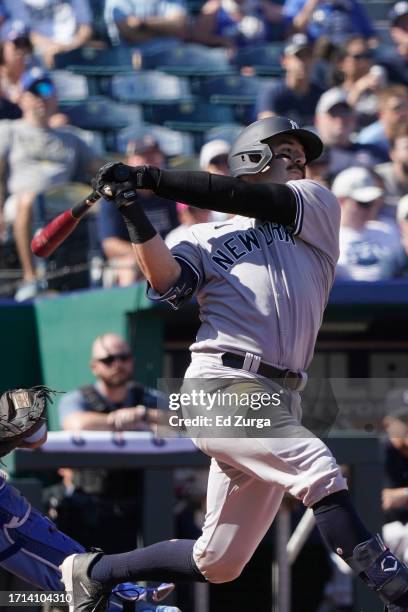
262,281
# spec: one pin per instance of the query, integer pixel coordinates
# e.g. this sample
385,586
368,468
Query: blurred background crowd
171,83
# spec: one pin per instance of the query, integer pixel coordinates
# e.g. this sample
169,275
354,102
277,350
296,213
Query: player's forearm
266,201
157,263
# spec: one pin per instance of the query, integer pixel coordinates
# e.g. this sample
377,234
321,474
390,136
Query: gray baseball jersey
263,288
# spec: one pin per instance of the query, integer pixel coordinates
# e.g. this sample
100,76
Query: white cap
213,149
358,184
331,98
402,209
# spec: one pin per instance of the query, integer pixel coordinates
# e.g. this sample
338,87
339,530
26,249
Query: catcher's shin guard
380,569
31,547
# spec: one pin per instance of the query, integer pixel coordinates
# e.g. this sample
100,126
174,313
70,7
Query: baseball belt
295,381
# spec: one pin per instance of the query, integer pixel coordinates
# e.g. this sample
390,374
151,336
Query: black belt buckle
291,379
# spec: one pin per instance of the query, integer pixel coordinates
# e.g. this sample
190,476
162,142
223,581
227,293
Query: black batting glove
118,182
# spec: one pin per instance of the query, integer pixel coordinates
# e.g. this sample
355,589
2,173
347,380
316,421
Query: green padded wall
20,363
67,326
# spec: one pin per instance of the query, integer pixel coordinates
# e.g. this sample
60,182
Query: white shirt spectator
57,19
364,252
118,10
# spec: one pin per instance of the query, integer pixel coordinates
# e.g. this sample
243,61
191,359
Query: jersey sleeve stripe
299,210
193,268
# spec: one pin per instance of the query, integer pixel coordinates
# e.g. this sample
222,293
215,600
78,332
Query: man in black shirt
395,491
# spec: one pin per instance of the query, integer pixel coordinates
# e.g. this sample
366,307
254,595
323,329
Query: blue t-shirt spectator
281,100
161,212
336,19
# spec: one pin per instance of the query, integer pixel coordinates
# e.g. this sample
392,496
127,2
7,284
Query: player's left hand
119,182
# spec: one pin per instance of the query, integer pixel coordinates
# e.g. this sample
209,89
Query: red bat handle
57,230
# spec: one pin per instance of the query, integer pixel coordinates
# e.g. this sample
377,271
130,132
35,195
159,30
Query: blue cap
38,82
17,30
400,9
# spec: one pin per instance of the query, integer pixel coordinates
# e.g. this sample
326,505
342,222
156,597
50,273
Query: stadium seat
188,60
172,143
188,116
238,90
70,86
230,89
101,114
228,132
148,86
96,62
263,59
377,11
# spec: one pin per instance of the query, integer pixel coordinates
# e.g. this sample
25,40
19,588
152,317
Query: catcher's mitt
22,413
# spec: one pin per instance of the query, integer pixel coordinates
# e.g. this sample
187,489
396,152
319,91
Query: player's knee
221,571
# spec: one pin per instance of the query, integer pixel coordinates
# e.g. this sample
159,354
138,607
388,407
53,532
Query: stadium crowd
155,82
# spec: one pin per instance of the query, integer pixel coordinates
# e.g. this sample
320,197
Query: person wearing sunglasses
114,402
35,156
362,79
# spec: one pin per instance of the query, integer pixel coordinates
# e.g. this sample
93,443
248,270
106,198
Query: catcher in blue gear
31,546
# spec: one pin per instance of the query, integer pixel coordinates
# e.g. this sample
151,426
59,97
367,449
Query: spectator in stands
335,122
395,491
395,60
296,95
335,21
395,172
237,23
361,78
58,26
15,59
187,216
114,402
146,24
214,159
393,110
397,264
38,157
365,241
318,169
112,231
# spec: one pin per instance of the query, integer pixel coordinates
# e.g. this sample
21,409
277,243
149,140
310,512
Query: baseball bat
50,237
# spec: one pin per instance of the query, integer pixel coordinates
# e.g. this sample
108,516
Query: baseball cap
400,9
396,403
38,82
402,209
142,144
19,31
330,99
211,150
357,183
297,43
